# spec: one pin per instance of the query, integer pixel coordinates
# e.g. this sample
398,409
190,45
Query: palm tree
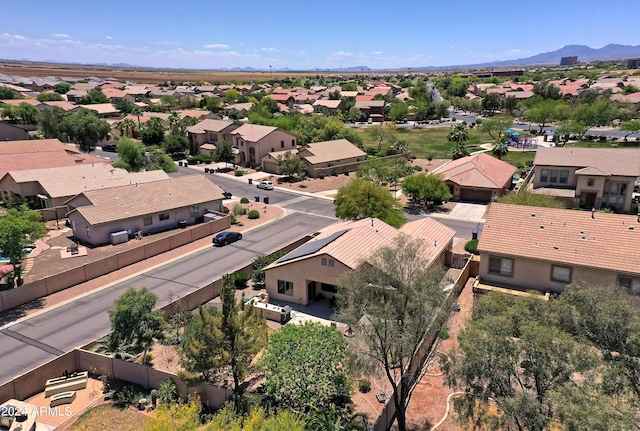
128,125
500,148
173,119
136,111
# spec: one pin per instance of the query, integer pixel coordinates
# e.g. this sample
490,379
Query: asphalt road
38,339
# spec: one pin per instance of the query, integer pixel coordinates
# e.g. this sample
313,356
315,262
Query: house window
564,177
285,287
147,221
553,178
213,137
613,194
544,175
272,149
281,144
561,273
293,142
501,266
252,155
194,211
590,182
631,283
164,216
327,262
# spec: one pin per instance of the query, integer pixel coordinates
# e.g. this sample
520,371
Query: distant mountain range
583,52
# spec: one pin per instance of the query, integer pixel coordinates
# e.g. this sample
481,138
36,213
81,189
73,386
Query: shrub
239,173
258,168
167,392
413,157
148,359
334,173
472,246
478,121
321,176
364,386
240,280
346,172
443,334
417,168
244,200
253,214
454,119
232,219
239,210
225,209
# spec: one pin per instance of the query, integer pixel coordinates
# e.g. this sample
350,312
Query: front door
589,200
311,291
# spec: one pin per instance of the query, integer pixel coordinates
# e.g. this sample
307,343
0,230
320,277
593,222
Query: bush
148,359
334,173
239,173
232,219
321,176
346,172
472,246
240,280
239,210
244,200
364,386
253,214
443,334
478,121
413,157
417,168
258,168
167,392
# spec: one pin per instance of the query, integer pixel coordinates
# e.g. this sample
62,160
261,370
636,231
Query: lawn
423,142
519,158
108,416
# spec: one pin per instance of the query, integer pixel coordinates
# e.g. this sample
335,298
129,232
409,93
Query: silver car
265,185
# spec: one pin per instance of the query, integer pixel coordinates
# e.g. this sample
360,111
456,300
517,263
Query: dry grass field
107,417
141,75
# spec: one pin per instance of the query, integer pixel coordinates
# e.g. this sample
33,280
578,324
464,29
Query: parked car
224,238
111,148
265,185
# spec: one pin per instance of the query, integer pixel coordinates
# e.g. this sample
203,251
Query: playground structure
513,140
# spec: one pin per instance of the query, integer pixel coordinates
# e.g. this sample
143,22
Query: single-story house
588,177
546,249
477,178
144,207
52,187
254,141
241,109
324,157
313,269
10,132
103,109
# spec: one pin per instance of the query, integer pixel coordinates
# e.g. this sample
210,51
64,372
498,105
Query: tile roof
611,161
33,146
604,241
17,161
102,108
629,98
62,104
328,151
17,102
478,170
71,180
240,106
119,203
364,237
194,113
253,132
360,104
209,125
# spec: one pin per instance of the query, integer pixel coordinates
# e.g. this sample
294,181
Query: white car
265,185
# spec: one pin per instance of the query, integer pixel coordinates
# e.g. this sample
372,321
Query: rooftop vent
555,247
631,228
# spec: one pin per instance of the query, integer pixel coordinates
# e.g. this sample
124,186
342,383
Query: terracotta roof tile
329,151
478,170
611,161
604,241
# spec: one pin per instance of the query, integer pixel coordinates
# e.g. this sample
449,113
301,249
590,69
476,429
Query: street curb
470,220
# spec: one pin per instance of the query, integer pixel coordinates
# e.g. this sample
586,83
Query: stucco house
327,156
52,187
477,178
546,249
373,109
10,132
328,107
209,131
312,270
254,141
241,109
588,177
145,208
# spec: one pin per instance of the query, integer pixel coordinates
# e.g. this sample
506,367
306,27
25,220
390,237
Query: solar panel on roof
311,247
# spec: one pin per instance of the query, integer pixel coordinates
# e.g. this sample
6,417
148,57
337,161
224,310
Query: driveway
467,211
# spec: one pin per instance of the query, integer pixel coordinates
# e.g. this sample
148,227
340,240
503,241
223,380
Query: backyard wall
55,283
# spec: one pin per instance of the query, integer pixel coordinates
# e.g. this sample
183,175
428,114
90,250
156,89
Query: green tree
175,144
355,115
568,128
131,155
360,199
49,97
500,148
382,133
318,128
168,102
85,129
349,86
62,88
223,342
544,112
224,153
389,302
19,228
159,160
153,132
525,197
8,94
384,171
317,356
138,113
178,416
129,126
290,164
125,106
94,96
228,419
631,126
398,111
496,126
491,102
547,90
135,323
426,188
599,113
27,113
51,120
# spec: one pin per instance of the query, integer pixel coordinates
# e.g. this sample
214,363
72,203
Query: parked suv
265,185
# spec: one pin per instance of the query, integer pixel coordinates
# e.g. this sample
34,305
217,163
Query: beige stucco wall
100,234
272,142
571,179
598,187
536,274
300,273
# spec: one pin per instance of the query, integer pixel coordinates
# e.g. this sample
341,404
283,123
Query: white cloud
270,50
216,46
341,54
376,53
61,36
166,42
109,37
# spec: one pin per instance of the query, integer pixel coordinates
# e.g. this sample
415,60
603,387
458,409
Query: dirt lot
142,75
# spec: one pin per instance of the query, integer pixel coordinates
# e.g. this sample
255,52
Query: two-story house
328,107
206,134
254,141
588,177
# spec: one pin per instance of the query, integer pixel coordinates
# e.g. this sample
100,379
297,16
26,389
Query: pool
516,180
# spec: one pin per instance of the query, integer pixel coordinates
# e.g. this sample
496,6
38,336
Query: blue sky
308,34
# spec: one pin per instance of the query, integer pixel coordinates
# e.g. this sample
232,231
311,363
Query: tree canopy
224,152
360,199
289,164
305,367
19,228
389,302
82,127
426,188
